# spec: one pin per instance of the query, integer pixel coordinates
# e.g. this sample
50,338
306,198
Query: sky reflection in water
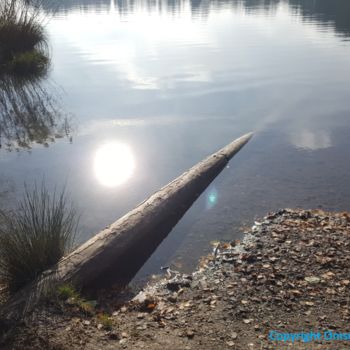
173,81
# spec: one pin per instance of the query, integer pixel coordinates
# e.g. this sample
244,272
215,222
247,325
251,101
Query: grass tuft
67,291
106,321
35,236
87,307
70,296
23,41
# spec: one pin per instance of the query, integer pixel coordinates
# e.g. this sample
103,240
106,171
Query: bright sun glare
113,164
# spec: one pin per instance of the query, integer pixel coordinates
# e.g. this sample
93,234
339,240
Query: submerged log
119,251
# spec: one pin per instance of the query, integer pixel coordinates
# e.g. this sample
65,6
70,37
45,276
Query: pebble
190,334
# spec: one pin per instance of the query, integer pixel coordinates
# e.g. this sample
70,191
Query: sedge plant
35,236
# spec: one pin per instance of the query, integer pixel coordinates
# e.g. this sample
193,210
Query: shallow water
152,87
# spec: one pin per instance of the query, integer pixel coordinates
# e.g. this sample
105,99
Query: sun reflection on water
114,164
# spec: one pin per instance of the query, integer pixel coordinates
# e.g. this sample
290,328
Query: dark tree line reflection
28,114
325,12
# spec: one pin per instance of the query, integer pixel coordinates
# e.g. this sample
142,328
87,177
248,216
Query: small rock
70,301
142,327
177,282
203,284
328,275
312,279
190,334
172,298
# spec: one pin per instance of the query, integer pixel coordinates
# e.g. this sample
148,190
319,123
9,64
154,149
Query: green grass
35,236
106,321
67,291
87,307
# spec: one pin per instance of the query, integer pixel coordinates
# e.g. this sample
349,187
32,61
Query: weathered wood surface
119,251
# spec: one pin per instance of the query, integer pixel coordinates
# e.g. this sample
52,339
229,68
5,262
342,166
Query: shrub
35,236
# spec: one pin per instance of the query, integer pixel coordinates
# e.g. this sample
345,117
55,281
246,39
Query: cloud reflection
114,164
311,140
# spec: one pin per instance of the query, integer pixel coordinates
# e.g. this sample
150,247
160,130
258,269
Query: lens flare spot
114,164
212,198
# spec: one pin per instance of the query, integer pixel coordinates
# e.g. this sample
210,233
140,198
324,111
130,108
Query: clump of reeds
35,236
30,63
23,43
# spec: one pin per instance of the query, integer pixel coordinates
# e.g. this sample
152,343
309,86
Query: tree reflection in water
29,114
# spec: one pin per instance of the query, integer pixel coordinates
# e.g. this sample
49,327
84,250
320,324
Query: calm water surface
152,87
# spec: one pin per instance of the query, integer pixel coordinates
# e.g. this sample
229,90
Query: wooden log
119,251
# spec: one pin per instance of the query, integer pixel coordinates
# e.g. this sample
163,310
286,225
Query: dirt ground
289,275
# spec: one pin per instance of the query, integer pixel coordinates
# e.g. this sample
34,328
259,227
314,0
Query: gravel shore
289,275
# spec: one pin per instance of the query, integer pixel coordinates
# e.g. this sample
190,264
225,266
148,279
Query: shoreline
289,274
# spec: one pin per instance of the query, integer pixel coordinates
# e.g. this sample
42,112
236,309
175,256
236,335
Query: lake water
152,87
